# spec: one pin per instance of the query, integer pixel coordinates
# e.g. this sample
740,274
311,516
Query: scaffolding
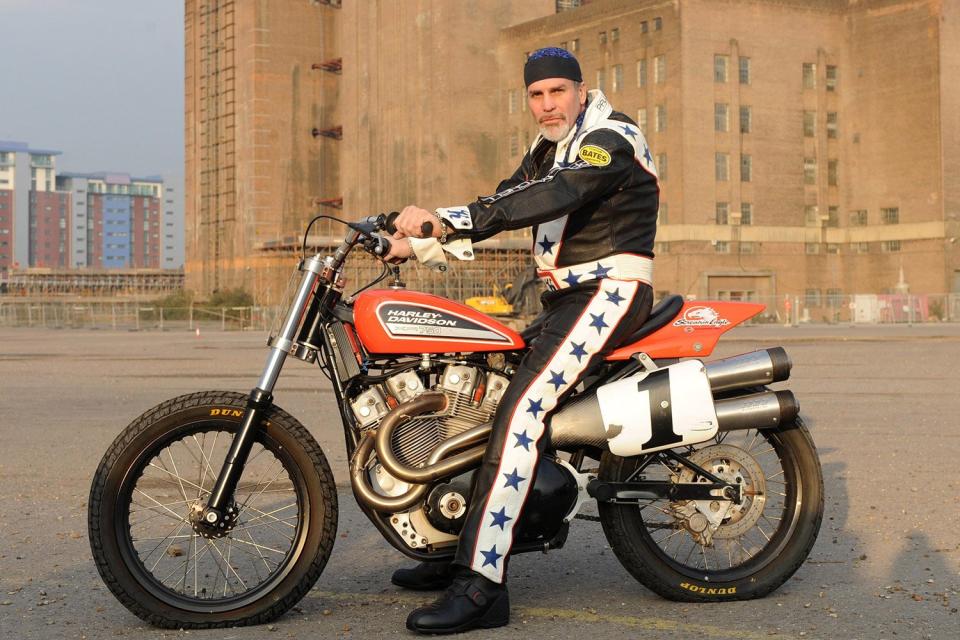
96,283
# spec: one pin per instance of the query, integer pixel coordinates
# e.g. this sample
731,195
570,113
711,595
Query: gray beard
555,134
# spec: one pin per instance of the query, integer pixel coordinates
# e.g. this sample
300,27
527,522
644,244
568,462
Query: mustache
552,119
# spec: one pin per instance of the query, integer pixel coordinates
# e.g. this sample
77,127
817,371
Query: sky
99,80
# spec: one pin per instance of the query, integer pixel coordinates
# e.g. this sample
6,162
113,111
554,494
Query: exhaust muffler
674,406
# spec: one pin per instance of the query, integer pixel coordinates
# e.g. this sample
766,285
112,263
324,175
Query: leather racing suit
592,200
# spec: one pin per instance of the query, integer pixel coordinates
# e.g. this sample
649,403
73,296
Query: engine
472,394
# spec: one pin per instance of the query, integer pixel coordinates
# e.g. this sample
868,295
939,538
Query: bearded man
588,188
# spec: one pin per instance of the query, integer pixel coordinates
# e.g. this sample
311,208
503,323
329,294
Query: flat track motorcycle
219,508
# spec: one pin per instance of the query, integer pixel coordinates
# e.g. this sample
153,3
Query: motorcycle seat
661,314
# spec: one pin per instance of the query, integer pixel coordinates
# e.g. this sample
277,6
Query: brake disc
734,466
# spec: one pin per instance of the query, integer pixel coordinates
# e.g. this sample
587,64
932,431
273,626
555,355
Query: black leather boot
471,602
426,576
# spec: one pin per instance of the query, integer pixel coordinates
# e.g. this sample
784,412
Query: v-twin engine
472,398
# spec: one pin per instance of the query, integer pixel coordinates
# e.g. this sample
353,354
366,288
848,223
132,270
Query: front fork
220,511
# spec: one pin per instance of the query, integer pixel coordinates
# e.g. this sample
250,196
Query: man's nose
549,104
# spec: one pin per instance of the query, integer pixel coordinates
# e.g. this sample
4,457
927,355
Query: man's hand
410,221
400,250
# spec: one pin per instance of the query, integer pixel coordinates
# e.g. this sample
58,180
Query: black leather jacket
601,199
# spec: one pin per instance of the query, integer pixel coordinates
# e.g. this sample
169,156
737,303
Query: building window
721,166
833,248
746,168
746,119
601,77
744,70
514,144
513,99
860,247
812,248
663,214
574,45
662,166
809,124
809,171
615,34
661,247
833,216
832,172
746,213
617,77
721,213
563,45
642,120
720,68
858,218
644,27
720,117
811,216
809,75
834,298
747,247
660,69
641,73
657,24
603,37
890,215
831,124
722,246
661,119
890,246
831,83
811,297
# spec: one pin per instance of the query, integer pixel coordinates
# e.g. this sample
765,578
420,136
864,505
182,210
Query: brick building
806,147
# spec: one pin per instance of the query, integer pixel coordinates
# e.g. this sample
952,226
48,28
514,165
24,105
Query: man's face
555,104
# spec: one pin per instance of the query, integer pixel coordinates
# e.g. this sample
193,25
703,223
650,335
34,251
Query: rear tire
278,552
634,542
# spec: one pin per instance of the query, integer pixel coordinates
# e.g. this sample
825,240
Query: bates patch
405,320
594,155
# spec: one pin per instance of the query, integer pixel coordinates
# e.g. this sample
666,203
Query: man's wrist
443,228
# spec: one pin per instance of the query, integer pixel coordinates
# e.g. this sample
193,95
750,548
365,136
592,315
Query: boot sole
420,586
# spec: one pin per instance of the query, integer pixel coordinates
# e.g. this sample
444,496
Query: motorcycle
218,508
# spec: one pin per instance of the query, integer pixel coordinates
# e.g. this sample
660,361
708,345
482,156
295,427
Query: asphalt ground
882,403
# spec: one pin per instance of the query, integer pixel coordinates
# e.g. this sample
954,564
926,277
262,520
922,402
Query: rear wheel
153,481
717,550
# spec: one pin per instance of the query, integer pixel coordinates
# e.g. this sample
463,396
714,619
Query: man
589,189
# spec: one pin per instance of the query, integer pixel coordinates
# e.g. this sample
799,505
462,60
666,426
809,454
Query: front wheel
153,481
695,551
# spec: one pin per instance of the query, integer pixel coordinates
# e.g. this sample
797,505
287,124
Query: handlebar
426,228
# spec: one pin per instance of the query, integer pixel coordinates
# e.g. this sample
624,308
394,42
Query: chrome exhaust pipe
436,467
753,369
757,410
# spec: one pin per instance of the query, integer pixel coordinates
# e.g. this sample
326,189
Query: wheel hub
210,525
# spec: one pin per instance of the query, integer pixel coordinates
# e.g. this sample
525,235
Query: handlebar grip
426,229
389,225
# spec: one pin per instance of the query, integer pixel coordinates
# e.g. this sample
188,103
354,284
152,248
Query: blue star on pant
627,131
547,245
491,556
571,278
578,350
556,379
601,271
500,518
598,323
513,479
523,440
615,297
535,407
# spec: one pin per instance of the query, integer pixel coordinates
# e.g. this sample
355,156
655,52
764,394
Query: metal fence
140,316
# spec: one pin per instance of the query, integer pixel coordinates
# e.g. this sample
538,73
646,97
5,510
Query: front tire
752,552
162,467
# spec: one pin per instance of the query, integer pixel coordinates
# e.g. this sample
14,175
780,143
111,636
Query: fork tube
260,400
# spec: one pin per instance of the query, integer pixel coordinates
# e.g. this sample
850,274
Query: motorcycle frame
307,321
